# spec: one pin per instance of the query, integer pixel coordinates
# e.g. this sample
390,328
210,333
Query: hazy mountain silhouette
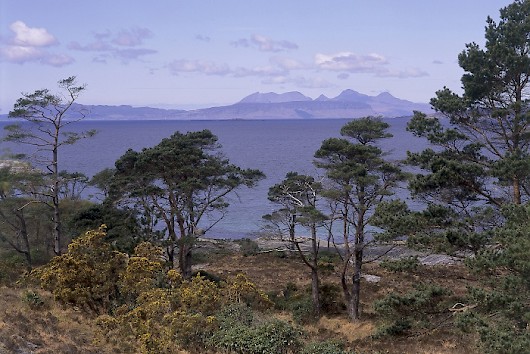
289,105
294,105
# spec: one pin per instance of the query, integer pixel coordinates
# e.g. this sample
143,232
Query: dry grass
51,328
273,273
26,327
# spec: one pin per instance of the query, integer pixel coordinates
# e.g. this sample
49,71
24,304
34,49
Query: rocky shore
375,252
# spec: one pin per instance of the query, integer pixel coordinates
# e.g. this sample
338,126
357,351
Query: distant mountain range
289,105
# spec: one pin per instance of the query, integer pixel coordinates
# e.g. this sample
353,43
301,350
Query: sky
201,53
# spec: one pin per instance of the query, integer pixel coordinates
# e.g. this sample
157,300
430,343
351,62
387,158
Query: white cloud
403,74
132,37
31,36
96,46
265,44
27,44
57,60
267,70
200,66
20,54
376,64
122,45
350,62
299,81
287,63
277,67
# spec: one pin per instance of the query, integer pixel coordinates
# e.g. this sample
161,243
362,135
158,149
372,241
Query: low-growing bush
402,312
303,310
327,260
395,328
327,347
331,299
248,247
11,268
270,337
405,264
33,299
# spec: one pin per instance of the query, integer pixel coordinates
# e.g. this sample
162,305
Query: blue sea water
273,146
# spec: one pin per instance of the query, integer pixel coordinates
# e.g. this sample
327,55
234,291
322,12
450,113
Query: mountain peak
385,94
351,96
272,97
322,98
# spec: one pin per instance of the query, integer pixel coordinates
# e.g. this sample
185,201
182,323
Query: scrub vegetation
134,274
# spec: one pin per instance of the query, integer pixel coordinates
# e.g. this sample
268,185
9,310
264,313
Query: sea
275,147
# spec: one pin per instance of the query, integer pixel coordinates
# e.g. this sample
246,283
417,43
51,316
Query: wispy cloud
132,37
277,67
264,44
28,44
122,45
349,62
198,66
203,38
402,74
312,82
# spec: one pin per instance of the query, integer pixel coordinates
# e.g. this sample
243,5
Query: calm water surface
273,146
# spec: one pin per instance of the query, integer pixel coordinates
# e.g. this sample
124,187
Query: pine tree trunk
315,292
55,202
25,237
356,288
185,261
315,281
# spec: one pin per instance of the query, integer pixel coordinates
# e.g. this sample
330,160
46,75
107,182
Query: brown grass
272,274
52,328
48,328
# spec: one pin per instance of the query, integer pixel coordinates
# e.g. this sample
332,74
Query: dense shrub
327,347
402,312
270,337
87,275
248,247
405,264
327,261
33,299
303,310
331,299
11,268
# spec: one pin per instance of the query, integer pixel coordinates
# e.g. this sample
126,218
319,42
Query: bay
273,146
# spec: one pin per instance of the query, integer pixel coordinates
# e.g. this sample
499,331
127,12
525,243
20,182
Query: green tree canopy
359,179
48,116
182,182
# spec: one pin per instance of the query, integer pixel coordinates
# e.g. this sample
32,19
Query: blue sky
200,53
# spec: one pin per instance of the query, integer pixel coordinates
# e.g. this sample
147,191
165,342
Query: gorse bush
87,275
147,305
